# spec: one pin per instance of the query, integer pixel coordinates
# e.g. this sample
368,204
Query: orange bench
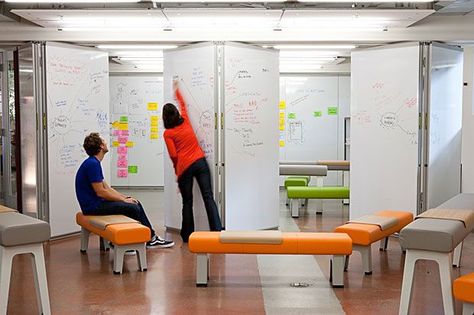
296,243
124,233
364,235
463,290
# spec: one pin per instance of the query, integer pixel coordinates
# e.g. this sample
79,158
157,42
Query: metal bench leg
41,282
104,244
119,251
346,263
407,283
337,270
141,257
457,255
5,272
467,309
366,255
384,244
84,239
445,263
319,206
294,209
202,269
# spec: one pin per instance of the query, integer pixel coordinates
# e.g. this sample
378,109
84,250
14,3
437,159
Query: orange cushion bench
364,235
463,290
292,243
124,233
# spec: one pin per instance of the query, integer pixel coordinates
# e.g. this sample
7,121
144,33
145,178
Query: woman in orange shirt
189,162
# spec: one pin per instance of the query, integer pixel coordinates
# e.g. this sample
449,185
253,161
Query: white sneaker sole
160,246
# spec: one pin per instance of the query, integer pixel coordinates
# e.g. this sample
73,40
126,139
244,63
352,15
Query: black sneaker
158,242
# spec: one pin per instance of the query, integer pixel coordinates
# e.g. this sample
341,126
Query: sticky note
282,115
122,157
122,150
124,133
122,163
282,105
152,106
122,139
154,118
133,169
282,127
116,133
123,126
317,113
153,136
154,123
332,110
154,129
130,144
282,143
123,119
122,173
291,115
115,143
115,124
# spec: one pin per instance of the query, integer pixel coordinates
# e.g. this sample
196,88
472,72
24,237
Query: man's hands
129,199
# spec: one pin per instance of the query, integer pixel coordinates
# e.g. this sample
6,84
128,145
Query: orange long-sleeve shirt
181,141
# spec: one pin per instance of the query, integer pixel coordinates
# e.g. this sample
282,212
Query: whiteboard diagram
136,102
77,91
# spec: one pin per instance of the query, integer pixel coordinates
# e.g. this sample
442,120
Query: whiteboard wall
195,68
384,129
251,81
138,100
313,109
77,88
445,123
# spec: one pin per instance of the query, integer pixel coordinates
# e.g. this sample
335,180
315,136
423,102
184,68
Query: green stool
296,181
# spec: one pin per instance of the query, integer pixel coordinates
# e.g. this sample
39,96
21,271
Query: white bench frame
119,251
336,273
39,272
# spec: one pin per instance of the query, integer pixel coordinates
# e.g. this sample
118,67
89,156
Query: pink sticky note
116,133
122,163
122,173
124,133
122,157
122,139
122,150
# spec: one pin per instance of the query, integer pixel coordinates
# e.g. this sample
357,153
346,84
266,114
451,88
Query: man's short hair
92,143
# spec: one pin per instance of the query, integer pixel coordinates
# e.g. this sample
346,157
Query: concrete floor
239,284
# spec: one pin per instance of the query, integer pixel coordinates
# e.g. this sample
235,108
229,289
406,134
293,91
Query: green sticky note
332,110
123,119
291,115
317,113
133,169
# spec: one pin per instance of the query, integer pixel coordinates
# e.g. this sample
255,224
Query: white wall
468,123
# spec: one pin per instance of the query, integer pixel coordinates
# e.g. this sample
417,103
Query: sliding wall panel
195,69
384,129
445,123
251,81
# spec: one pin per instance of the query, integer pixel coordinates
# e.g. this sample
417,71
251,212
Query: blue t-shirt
89,172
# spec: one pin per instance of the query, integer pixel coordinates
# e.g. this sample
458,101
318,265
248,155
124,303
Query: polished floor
239,284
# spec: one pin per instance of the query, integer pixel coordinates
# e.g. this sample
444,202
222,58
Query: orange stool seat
364,235
463,288
123,236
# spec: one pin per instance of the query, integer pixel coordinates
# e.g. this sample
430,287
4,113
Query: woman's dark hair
92,144
171,116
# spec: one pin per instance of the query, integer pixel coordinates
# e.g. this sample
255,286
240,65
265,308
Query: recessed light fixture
72,1
136,47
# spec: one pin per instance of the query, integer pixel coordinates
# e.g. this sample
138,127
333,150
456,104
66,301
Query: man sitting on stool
96,197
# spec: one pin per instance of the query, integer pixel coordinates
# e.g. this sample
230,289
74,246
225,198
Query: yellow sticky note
115,143
123,126
282,143
152,106
115,124
154,129
130,144
282,127
282,105
154,123
153,136
153,118
282,121
282,115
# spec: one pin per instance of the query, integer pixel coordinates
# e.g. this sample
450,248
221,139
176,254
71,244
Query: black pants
200,171
131,210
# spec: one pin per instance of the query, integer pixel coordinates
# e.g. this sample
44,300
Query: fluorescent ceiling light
313,47
140,58
139,54
133,47
71,1
218,1
307,53
364,1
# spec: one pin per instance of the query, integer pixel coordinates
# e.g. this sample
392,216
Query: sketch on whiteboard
295,132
